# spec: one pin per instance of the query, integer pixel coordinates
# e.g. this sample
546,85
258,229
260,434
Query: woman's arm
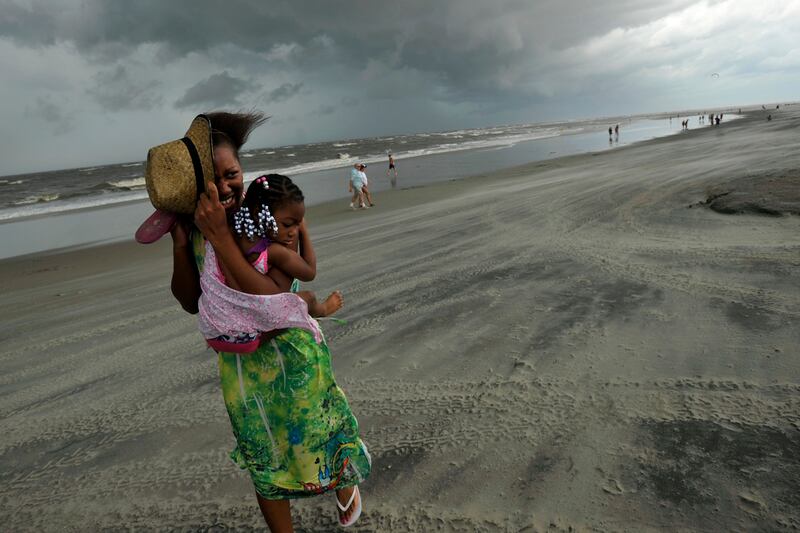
210,218
185,283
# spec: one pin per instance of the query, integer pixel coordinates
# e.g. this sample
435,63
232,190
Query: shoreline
616,118
142,207
568,335
590,127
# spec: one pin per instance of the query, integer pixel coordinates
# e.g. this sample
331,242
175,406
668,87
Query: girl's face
228,178
288,217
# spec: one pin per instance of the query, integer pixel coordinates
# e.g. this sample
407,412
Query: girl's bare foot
332,303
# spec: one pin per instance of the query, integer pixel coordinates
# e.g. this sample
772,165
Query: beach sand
577,344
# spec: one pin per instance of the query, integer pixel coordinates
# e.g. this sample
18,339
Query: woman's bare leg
277,514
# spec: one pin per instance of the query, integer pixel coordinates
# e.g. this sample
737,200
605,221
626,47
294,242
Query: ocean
47,210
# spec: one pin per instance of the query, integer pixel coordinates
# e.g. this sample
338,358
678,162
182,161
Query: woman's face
228,178
288,217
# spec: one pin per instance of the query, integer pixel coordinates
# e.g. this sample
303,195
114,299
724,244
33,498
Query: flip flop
156,225
344,508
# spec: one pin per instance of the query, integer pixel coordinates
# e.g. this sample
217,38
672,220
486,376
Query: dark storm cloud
419,65
217,90
282,93
26,26
116,90
49,112
472,49
181,26
325,110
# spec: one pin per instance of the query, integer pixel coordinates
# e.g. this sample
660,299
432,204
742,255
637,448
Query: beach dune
575,344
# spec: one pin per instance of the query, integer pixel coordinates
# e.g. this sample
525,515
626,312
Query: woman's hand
210,217
180,233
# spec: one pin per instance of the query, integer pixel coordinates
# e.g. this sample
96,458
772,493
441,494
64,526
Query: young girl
273,214
269,226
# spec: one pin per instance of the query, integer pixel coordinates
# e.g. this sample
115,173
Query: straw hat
177,171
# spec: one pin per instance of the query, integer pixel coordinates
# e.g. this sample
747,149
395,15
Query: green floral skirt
294,430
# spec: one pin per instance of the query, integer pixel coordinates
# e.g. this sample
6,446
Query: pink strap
234,347
262,262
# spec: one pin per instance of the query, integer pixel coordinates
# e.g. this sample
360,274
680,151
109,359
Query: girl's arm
290,263
210,218
302,265
185,283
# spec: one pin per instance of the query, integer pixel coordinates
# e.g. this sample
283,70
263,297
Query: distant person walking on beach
354,185
358,186
295,433
365,186
391,166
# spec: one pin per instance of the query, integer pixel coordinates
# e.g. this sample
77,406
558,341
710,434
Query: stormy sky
99,81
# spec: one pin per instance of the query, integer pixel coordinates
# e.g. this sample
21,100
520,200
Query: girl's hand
302,235
210,217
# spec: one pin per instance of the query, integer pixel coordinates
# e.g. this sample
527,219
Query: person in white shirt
355,185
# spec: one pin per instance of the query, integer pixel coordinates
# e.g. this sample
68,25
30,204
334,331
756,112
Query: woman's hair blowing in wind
233,129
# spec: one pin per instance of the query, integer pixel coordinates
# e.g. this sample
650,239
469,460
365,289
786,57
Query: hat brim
199,133
156,226
177,172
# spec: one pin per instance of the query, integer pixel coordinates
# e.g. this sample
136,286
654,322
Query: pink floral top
226,312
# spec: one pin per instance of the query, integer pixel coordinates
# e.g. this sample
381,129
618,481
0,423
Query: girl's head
229,131
273,207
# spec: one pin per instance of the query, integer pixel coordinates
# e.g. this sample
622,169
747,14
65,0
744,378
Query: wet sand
577,344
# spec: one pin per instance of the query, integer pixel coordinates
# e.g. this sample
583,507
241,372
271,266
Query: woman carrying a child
294,430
